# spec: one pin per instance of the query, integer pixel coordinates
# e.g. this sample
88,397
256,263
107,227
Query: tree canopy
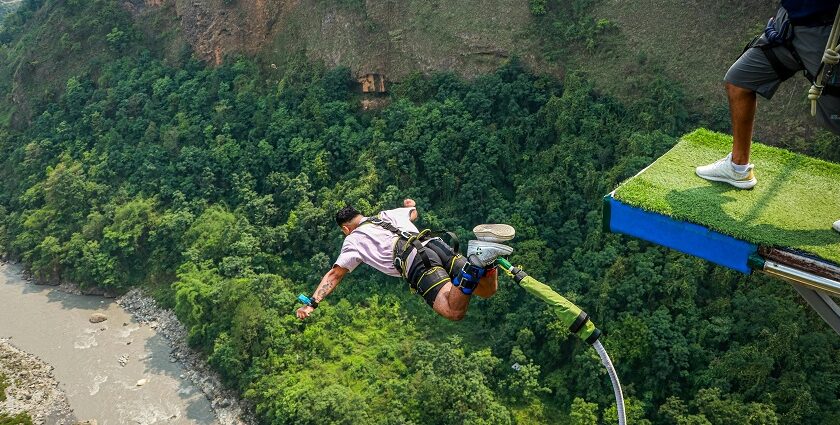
215,187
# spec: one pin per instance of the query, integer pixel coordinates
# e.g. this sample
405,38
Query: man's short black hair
345,214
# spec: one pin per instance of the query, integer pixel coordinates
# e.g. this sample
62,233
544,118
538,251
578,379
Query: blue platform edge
688,238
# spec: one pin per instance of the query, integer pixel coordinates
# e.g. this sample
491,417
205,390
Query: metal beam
823,304
800,277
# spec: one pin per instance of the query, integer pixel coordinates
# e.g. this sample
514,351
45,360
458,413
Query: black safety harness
411,241
784,37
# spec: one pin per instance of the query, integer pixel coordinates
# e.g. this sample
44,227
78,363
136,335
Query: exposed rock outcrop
32,388
387,37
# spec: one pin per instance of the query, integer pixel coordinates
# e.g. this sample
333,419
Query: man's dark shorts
753,70
445,265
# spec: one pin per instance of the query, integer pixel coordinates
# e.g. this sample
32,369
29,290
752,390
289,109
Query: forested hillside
7,7
214,188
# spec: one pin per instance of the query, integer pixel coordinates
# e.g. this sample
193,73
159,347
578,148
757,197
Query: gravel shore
226,404
229,409
32,388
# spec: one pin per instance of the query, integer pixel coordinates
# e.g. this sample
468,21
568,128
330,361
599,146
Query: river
99,365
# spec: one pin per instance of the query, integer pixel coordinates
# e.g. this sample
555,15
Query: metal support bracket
816,290
823,304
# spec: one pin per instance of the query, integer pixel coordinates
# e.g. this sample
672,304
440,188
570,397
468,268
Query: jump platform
782,227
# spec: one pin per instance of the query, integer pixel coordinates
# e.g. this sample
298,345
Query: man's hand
328,283
304,312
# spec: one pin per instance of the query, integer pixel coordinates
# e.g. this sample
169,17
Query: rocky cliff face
382,36
216,28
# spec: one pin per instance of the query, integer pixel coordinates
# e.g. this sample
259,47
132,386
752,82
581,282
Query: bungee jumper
392,244
792,41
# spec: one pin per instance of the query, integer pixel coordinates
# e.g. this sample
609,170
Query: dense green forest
214,188
7,7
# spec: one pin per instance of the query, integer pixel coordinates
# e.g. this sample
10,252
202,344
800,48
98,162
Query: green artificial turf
794,204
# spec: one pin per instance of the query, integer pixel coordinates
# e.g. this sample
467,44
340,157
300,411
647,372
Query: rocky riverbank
30,387
227,406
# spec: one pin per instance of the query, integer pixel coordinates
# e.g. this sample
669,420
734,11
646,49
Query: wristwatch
308,301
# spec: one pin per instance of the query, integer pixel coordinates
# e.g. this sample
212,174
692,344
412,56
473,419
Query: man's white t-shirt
373,245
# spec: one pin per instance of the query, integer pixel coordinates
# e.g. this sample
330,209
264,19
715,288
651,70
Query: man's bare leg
488,285
735,168
742,106
451,303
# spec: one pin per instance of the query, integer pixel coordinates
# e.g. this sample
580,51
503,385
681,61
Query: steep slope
688,45
7,7
48,42
383,36
693,43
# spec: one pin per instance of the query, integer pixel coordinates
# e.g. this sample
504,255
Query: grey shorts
753,70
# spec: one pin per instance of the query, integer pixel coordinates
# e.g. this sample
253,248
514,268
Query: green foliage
710,408
4,383
117,38
538,7
19,419
565,25
224,181
583,412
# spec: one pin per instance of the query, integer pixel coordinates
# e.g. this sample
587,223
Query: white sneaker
837,225
483,253
494,232
723,171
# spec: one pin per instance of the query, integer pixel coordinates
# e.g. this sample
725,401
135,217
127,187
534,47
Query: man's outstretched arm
327,285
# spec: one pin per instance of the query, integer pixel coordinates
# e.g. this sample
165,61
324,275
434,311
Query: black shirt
805,9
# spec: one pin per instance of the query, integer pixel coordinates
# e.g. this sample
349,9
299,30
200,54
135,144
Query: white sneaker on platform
483,253
723,171
494,232
837,225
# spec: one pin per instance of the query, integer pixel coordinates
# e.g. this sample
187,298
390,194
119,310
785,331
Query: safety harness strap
781,70
421,251
414,239
784,38
468,278
402,250
386,225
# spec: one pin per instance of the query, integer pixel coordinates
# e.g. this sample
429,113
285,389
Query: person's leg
742,106
488,285
450,302
435,285
751,74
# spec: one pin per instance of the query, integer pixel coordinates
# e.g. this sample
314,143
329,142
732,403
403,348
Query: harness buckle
406,235
398,264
